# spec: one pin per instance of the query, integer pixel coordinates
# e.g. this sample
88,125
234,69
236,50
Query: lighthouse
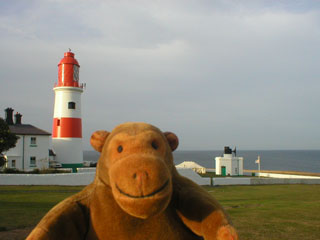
67,126
229,164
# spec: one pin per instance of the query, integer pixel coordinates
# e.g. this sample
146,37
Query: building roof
27,129
189,164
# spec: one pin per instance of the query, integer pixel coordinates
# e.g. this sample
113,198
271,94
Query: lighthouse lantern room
67,124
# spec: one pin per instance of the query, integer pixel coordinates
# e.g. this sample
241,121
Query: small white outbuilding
229,165
191,165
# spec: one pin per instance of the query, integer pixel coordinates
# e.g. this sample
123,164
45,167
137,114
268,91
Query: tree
7,138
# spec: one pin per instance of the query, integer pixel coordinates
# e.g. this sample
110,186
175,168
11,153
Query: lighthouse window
75,73
71,105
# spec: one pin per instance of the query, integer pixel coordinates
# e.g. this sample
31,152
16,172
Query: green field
24,206
258,212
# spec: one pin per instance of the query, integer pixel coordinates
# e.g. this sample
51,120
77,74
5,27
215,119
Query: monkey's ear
172,140
98,138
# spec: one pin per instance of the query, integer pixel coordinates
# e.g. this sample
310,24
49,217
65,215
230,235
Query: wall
40,150
260,181
231,163
256,181
64,179
24,150
73,179
240,165
218,165
231,181
68,150
64,95
222,161
189,173
86,176
277,175
16,153
83,170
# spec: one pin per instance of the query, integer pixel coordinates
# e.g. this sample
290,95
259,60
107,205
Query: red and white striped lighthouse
67,126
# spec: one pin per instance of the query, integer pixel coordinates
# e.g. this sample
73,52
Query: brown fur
137,194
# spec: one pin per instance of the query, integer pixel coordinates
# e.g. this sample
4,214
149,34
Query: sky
216,73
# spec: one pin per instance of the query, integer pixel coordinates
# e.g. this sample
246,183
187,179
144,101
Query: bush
53,170
11,170
35,171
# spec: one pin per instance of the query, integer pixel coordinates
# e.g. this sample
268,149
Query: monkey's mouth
144,196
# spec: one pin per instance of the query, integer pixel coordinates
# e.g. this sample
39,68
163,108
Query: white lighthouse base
69,152
229,165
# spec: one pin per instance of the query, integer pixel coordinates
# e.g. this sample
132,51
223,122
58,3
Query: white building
229,165
192,165
32,147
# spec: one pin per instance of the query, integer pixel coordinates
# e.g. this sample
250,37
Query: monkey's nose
140,178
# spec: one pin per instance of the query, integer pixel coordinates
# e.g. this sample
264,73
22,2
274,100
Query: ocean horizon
282,160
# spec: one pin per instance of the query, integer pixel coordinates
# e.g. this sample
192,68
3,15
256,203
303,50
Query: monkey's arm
200,212
67,220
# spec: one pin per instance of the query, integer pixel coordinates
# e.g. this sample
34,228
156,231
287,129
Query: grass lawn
263,212
272,212
24,206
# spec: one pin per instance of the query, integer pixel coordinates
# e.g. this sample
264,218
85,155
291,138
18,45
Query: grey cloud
215,72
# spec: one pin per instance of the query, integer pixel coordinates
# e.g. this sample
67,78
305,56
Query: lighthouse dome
69,59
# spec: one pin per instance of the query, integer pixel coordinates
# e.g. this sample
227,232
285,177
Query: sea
282,160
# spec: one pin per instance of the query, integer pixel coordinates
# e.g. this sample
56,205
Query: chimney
9,118
17,117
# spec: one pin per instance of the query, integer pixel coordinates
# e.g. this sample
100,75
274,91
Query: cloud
215,72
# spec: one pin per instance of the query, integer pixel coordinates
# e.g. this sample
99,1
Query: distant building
229,165
32,148
192,165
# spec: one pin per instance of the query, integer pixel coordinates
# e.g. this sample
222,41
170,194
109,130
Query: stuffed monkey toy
137,194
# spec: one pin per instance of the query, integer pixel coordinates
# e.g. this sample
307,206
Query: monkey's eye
120,148
154,144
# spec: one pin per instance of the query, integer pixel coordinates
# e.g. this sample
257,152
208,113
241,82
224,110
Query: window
75,73
13,163
32,161
71,105
58,122
33,141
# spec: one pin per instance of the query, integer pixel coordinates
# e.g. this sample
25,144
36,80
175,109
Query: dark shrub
11,170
